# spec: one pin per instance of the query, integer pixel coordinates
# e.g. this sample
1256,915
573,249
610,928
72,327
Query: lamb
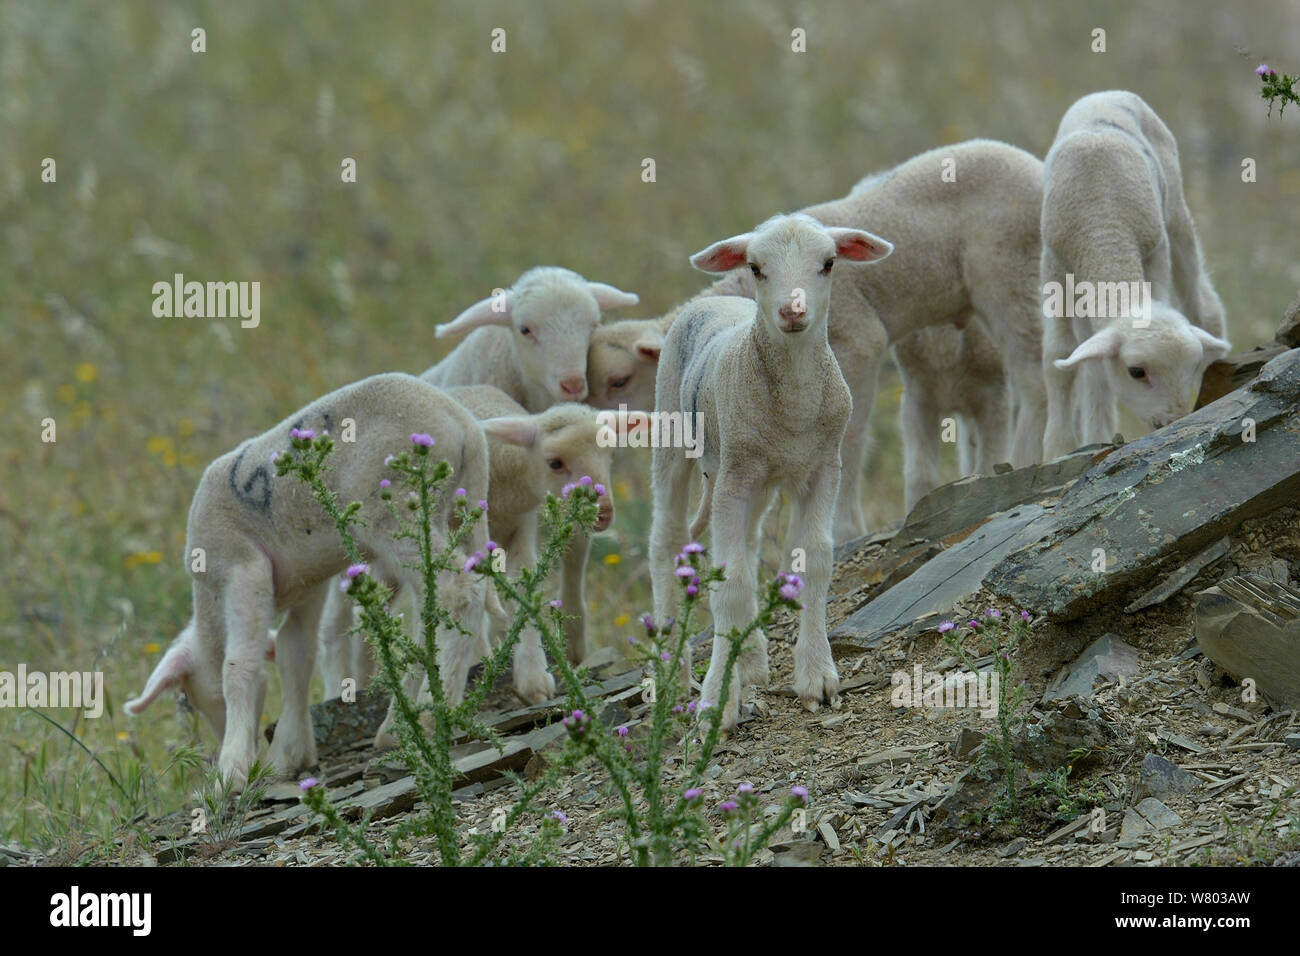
622,362
969,247
530,342
774,406
268,548
1114,217
529,455
957,372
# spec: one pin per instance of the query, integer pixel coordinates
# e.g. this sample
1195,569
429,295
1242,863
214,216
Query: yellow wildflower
612,559
86,372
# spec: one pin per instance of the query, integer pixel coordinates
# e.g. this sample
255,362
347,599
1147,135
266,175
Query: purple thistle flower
1024,615
622,731
472,562
728,806
1262,70
491,546
388,460
585,480
632,641
692,707
356,569
384,483
559,816
460,492
599,488
307,784
789,592
975,624
274,456
946,626
421,439
693,548
557,604
564,492
306,433
692,590
745,789
343,586
664,656
799,793
649,623
993,613
482,503
677,708
692,794
685,571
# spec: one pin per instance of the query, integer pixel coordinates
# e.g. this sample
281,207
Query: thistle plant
659,823
1002,636
1276,87
425,729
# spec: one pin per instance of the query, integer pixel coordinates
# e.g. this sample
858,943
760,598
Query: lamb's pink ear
723,256
491,311
607,297
270,645
1214,348
649,346
1103,344
860,245
513,430
176,663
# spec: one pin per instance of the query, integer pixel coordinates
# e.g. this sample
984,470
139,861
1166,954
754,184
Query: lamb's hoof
811,704
385,740
817,687
536,689
289,759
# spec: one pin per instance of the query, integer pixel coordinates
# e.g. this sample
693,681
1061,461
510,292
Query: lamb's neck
783,357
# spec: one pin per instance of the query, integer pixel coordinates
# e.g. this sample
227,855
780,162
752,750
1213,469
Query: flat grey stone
1250,626
1159,777
1107,657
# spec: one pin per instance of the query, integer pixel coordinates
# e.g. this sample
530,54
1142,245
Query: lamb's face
790,259
570,450
622,363
552,329
791,266
1154,371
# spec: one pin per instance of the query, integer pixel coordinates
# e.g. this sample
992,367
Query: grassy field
471,167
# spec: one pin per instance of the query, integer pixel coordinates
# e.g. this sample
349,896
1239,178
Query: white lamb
529,455
958,373
267,548
774,408
965,221
531,341
622,362
1114,217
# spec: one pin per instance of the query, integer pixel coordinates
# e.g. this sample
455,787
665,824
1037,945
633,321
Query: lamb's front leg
248,609
735,603
533,682
294,745
815,677
573,593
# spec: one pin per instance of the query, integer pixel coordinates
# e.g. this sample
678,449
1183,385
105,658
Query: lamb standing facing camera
268,547
531,341
774,405
1114,217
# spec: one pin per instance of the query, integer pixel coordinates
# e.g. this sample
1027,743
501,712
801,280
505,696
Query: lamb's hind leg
671,485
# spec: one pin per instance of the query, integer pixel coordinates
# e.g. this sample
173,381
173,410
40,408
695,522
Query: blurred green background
472,166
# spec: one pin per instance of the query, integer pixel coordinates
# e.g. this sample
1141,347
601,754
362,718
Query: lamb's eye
1137,371
618,382
526,330
557,464
758,273
826,267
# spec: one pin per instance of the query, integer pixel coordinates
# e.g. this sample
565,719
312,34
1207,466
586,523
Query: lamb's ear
649,346
1214,348
176,663
860,245
607,297
723,256
1103,344
513,430
494,310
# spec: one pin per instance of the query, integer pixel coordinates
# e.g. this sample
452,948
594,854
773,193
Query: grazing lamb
530,342
1114,217
529,455
774,408
967,235
267,548
955,372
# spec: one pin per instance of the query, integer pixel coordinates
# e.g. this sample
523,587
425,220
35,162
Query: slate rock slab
1162,498
1250,626
1159,777
1107,657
